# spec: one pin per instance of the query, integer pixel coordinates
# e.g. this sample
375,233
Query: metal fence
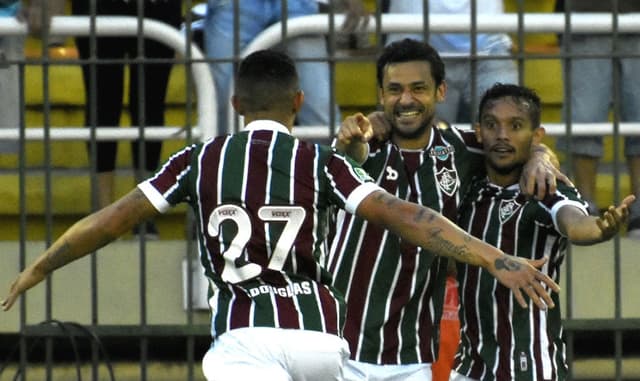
88,338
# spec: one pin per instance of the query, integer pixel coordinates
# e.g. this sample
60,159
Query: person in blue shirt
309,51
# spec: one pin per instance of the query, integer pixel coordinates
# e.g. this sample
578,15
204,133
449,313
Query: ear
235,102
476,128
380,97
441,92
298,100
538,134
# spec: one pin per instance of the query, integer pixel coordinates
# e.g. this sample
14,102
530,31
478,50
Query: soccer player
500,340
261,198
395,290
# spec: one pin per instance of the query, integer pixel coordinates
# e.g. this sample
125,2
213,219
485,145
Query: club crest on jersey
447,180
507,209
441,153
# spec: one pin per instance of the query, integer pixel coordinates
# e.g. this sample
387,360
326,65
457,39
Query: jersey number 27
237,268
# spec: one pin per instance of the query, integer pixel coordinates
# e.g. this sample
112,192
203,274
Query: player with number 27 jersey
262,250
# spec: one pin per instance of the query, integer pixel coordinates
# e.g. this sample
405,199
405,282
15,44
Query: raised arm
426,228
353,136
357,130
84,237
582,229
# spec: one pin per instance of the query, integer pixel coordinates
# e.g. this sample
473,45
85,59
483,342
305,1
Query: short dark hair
410,50
520,94
266,79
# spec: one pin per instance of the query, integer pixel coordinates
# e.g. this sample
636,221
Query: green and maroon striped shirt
499,339
261,198
395,291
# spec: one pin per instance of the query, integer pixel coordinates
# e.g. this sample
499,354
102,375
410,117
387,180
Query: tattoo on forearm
58,257
420,215
427,214
441,245
384,198
507,264
430,215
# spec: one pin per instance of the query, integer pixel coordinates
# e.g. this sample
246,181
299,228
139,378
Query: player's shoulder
565,188
447,128
455,135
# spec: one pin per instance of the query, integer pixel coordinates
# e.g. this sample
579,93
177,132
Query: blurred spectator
591,93
12,51
254,17
455,50
109,85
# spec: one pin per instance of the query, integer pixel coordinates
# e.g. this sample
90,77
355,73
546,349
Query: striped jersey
499,339
394,290
261,198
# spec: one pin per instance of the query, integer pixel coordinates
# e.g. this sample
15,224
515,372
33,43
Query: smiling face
408,96
507,133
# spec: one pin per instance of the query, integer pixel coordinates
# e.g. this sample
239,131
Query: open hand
614,218
521,275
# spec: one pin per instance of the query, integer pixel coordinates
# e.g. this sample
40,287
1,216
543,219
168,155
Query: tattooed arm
426,228
84,237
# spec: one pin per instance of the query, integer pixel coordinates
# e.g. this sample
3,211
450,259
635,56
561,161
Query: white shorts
362,371
455,376
274,354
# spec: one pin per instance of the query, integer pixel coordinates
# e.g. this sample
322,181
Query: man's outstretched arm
84,237
582,229
426,228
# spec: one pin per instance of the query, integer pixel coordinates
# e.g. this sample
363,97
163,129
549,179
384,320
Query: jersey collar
265,124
